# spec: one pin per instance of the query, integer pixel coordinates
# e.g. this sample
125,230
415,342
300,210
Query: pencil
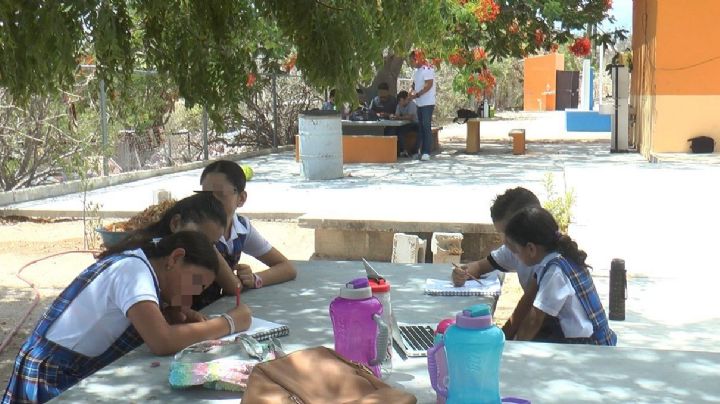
237,295
467,273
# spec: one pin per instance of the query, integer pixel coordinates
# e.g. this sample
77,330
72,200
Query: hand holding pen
461,274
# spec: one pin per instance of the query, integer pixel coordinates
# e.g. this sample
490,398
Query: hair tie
155,241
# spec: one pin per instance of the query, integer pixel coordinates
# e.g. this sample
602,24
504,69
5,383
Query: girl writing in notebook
566,307
226,180
502,259
200,212
112,307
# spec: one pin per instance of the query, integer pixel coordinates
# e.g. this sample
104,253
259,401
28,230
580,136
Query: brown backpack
318,375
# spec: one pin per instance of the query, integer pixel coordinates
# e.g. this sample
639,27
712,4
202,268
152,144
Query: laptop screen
413,339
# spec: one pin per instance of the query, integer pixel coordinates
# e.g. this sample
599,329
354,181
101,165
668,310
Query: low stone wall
352,239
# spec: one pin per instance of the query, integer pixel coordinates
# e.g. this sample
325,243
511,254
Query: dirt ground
23,241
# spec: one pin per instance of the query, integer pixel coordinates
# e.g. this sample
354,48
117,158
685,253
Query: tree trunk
389,74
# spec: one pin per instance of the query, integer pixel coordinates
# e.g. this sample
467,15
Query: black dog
465,114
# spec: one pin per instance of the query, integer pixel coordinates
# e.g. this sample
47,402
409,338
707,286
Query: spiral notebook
262,330
488,286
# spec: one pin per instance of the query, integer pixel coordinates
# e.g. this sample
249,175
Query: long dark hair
198,248
195,208
538,226
233,172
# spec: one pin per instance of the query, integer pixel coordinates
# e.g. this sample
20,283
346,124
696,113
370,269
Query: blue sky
622,11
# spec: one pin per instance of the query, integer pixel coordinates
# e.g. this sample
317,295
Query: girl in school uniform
112,307
226,180
566,307
199,212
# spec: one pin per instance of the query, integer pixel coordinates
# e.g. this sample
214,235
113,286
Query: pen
237,295
467,273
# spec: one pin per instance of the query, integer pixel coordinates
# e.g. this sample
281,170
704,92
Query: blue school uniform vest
584,287
44,369
214,292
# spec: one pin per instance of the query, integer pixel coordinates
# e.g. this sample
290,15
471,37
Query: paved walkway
661,218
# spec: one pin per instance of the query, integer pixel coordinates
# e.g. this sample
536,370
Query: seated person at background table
566,308
329,105
199,212
112,307
406,111
226,180
384,103
502,259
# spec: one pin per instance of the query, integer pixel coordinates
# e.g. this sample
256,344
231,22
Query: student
226,180
406,110
204,213
502,259
329,105
112,307
567,307
384,104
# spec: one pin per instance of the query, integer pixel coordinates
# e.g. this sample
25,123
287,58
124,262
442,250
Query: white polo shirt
255,244
420,75
556,297
97,317
509,262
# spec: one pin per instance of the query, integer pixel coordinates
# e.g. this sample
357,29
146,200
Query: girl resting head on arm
112,307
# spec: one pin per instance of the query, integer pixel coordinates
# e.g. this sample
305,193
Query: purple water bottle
437,362
360,334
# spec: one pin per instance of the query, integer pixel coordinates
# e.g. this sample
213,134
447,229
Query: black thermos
618,289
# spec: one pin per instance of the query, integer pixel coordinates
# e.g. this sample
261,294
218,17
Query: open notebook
488,286
262,330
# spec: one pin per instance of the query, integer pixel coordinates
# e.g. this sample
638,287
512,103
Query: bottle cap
379,285
443,325
356,289
477,310
474,317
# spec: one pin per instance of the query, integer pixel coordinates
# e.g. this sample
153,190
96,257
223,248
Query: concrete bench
355,238
375,148
363,149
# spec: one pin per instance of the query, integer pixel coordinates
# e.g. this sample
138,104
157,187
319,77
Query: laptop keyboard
417,338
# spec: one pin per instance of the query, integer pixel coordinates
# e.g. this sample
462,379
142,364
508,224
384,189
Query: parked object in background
408,249
446,247
702,144
618,289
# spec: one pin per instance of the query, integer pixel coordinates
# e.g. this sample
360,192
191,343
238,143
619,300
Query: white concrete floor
661,218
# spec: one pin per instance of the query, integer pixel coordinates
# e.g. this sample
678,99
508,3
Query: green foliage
212,51
560,204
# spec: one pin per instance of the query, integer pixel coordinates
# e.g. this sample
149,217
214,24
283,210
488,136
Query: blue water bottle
474,346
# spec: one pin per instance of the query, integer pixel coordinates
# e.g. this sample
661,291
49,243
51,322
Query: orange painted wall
539,75
688,51
676,73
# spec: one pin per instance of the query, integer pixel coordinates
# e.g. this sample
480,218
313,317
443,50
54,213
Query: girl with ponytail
113,306
566,307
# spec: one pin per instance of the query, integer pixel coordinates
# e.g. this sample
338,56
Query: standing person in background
424,95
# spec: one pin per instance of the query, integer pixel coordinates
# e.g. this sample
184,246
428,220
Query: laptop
411,340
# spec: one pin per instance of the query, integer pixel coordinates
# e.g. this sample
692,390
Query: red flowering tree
482,31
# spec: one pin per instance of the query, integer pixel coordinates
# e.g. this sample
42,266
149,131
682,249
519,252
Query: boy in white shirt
502,259
424,95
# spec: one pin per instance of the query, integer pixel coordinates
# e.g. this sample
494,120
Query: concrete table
544,373
376,128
